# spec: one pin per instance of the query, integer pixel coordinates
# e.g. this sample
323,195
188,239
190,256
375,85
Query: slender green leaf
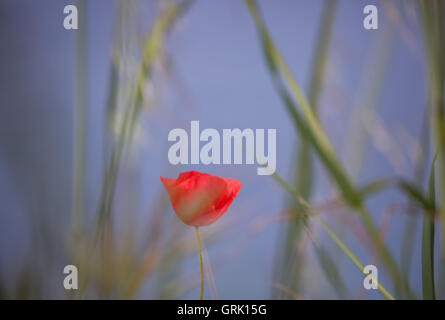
432,13
302,113
308,125
330,232
331,270
80,121
153,45
411,190
292,260
415,193
428,242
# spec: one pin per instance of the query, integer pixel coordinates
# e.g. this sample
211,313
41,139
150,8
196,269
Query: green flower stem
201,294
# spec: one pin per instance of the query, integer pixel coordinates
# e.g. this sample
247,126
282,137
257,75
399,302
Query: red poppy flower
199,199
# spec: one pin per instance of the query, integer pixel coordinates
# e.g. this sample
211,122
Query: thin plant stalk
293,259
409,230
78,192
307,124
201,268
331,234
434,29
80,119
153,46
428,289
351,255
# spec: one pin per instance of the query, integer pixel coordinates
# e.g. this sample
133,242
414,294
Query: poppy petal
200,199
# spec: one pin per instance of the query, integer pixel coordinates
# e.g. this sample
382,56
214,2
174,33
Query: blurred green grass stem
293,258
80,119
310,213
151,50
432,19
428,290
308,125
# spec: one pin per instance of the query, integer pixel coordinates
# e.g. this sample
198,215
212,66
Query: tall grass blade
152,47
411,222
332,271
410,189
310,213
432,13
304,117
80,119
351,256
308,125
292,257
428,290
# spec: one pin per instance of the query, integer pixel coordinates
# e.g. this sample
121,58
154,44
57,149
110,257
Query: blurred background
84,120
